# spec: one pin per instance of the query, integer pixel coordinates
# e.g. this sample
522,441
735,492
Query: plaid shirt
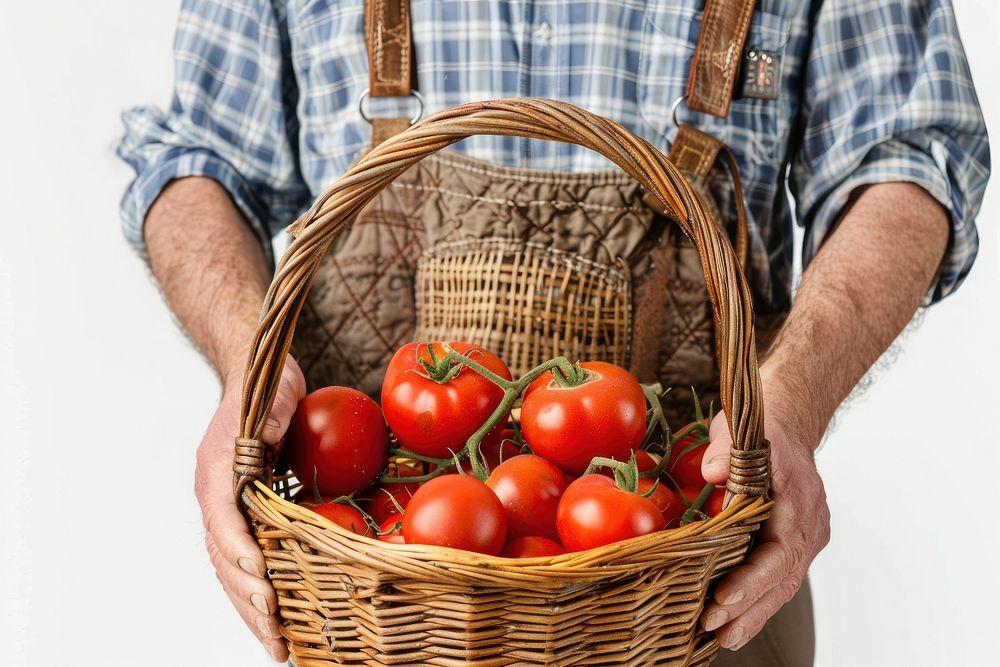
266,103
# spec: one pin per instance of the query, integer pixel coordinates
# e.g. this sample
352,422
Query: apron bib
529,264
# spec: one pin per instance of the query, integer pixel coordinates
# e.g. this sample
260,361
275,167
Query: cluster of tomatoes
584,470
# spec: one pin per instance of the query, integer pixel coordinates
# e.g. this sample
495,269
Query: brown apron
529,264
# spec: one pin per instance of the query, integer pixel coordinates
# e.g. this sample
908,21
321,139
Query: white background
103,401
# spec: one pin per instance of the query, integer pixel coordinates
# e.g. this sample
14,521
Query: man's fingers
250,589
229,532
715,465
263,626
767,565
291,390
737,632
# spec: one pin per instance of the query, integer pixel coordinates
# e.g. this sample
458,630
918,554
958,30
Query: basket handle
534,118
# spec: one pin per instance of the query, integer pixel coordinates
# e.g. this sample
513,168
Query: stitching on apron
553,178
575,262
510,202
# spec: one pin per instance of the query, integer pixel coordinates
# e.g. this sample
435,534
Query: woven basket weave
347,599
524,301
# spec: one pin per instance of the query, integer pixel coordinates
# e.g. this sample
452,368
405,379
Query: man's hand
797,531
239,564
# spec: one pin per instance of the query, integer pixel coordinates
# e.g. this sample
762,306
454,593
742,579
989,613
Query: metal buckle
413,93
675,106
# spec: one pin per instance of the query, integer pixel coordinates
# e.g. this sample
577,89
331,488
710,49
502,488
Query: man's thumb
291,390
715,465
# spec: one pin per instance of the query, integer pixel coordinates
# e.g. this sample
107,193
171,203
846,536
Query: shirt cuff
179,162
896,161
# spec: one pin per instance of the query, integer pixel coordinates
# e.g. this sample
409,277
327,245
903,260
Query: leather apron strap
716,61
711,82
390,59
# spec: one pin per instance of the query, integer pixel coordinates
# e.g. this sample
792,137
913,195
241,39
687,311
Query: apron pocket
524,301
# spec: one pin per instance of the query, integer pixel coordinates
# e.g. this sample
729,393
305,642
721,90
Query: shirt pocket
669,37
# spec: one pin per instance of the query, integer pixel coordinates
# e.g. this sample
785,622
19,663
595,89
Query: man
874,128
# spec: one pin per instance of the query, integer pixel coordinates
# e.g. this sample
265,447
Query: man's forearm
210,267
859,292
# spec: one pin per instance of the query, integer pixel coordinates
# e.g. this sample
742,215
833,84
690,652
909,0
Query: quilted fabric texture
361,307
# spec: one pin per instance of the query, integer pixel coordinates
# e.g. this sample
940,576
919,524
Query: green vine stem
626,472
444,369
694,509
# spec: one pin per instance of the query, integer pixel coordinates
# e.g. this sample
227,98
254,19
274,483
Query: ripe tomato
670,504
493,453
645,461
529,488
437,419
340,434
603,416
594,512
378,499
685,466
531,547
391,530
456,511
713,505
344,516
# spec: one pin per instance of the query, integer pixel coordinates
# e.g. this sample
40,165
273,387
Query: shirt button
543,32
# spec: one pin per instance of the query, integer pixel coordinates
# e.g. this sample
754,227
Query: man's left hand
788,542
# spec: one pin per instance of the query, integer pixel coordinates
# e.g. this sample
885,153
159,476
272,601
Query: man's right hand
238,562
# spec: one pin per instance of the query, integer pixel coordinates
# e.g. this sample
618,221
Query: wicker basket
346,599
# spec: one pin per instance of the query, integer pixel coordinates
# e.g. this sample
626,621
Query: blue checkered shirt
871,91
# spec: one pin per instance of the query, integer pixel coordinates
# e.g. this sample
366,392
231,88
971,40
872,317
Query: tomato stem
347,500
317,496
512,389
626,472
694,509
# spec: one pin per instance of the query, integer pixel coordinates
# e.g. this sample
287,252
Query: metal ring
674,107
413,93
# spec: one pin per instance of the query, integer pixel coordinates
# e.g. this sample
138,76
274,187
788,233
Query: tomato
456,511
493,454
344,516
645,461
670,504
435,419
529,488
713,505
685,467
531,547
391,530
380,500
338,434
594,512
605,415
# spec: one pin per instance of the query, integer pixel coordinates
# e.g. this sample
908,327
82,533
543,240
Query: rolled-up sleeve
231,118
889,97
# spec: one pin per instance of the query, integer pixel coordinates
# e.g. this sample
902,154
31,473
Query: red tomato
378,498
713,505
685,468
344,516
645,461
493,453
670,504
456,511
340,434
529,488
603,416
437,419
594,512
532,547
391,530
